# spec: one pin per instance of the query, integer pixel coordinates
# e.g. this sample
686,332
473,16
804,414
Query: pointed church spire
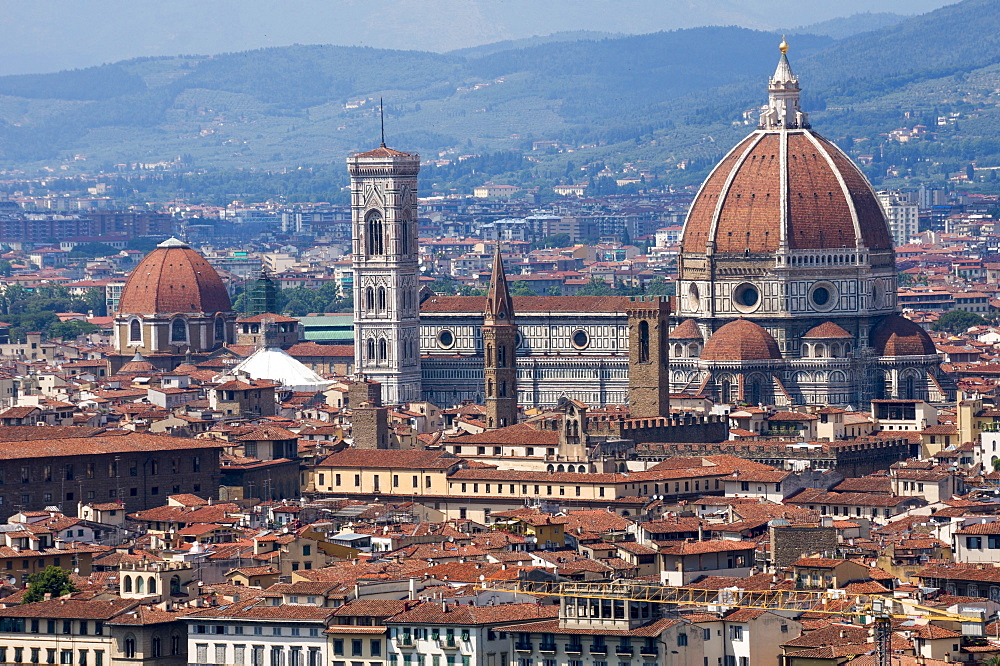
782,110
499,306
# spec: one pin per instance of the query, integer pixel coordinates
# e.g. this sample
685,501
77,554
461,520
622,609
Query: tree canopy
958,321
50,580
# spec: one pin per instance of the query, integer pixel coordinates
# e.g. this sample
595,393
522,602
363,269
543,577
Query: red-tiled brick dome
686,330
898,336
741,340
173,278
827,330
743,204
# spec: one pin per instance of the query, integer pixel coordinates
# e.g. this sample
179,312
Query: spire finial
381,116
783,46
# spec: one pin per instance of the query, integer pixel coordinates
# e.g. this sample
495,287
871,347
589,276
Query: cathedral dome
171,279
898,336
741,340
784,187
803,190
827,330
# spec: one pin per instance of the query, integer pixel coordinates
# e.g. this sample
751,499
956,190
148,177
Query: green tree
521,288
5,268
958,321
661,287
50,580
596,287
71,329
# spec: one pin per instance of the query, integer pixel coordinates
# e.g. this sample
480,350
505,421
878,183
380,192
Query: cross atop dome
783,111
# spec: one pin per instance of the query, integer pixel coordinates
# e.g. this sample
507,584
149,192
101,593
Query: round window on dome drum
446,339
823,296
580,339
746,297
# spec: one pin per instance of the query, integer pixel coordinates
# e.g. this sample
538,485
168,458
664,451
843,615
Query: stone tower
386,307
499,350
648,367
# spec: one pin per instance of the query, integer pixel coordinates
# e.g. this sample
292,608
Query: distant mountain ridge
661,100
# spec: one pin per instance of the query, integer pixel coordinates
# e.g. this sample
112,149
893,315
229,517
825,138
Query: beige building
91,633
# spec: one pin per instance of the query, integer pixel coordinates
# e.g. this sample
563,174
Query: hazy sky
48,35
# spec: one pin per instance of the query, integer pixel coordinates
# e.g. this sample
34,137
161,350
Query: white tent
276,365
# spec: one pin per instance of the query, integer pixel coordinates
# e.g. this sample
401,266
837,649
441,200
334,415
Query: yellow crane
881,610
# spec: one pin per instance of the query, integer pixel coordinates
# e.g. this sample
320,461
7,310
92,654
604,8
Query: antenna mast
381,115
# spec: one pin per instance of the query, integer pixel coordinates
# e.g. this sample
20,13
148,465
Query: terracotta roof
382,151
306,349
413,459
686,330
827,330
521,433
101,444
71,609
526,305
701,547
174,279
898,336
741,340
742,206
441,614
267,316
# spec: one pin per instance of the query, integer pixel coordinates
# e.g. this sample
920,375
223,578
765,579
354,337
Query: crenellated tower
500,350
386,306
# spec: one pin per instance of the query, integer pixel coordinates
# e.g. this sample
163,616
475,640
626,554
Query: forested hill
662,101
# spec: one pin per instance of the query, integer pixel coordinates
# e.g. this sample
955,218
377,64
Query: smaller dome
827,330
898,336
138,365
686,330
741,340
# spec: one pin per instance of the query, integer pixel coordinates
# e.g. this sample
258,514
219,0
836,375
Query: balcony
574,648
523,647
548,648
448,643
404,641
623,651
599,649
649,651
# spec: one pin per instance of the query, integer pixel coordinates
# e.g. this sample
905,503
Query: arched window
370,349
503,389
820,350
909,390
693,350
561,468
835,350
156,646
130,647
383,350
175,584
381,298
140,585
404,235
369,299
127,582
643,341
375,233
501,356
134,331
489,388
220,330
178,331
151,588
727,390
753,395
678,350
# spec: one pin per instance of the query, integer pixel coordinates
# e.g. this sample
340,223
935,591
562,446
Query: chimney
413,589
